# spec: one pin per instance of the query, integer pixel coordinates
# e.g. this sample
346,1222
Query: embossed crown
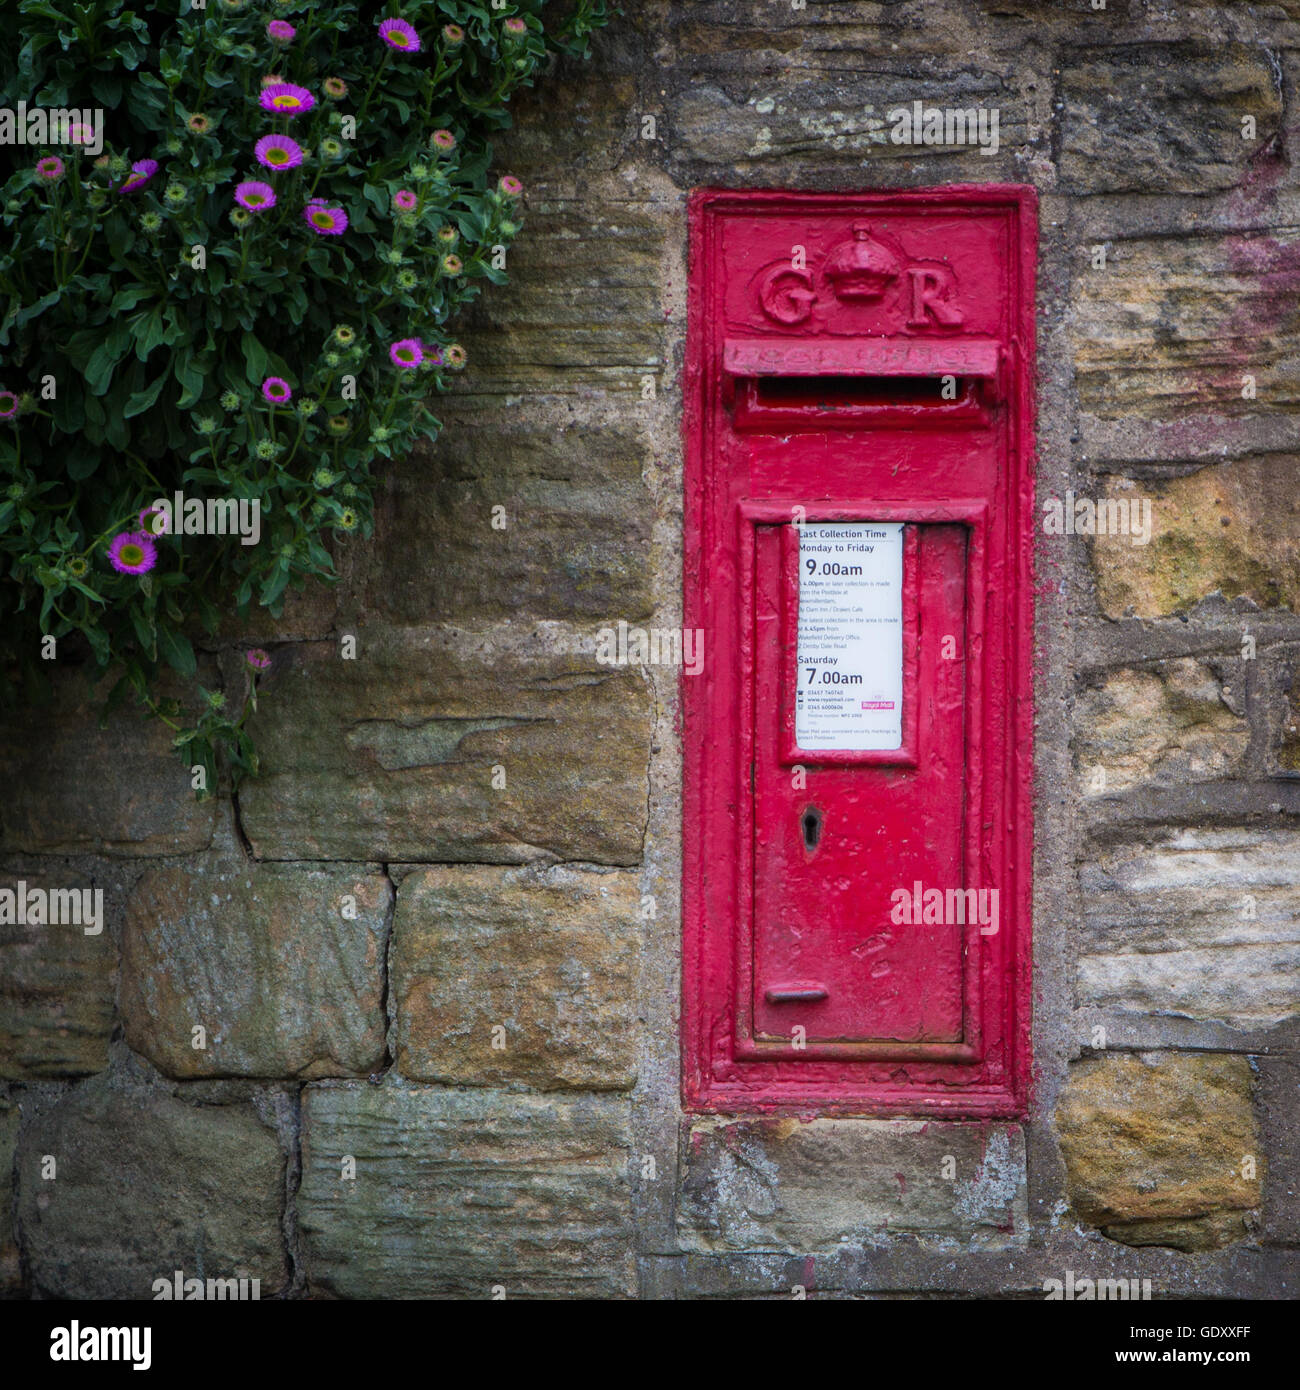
862,268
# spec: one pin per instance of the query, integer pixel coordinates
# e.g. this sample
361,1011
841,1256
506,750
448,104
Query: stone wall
434,950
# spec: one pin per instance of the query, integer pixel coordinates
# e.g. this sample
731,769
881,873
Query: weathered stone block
1170,723
1156,118
145,1185
808,1186
10,1270
1173,324
1203,923
1286,732
576,539
73,788
800,122
548,955
456,1192
310,612
262,958
56,992
600,122
585,307
1155,1147
394,755
1232,529
753,36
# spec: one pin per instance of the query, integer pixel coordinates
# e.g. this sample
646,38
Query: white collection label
850,658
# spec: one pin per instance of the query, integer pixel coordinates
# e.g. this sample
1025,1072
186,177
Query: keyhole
812,827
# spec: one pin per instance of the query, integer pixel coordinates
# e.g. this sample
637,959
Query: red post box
858,527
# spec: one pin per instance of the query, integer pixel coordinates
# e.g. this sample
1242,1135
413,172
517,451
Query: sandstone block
144,1185
56,991
1155,1148
457,1192
548,956
393,756
809,1186
1201,923
261,957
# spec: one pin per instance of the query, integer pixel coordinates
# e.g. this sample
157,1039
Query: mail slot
857,749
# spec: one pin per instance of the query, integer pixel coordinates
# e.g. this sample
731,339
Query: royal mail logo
867,269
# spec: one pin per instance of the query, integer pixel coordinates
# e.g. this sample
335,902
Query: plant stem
374,82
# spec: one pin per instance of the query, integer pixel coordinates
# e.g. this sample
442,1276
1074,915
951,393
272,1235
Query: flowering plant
235,243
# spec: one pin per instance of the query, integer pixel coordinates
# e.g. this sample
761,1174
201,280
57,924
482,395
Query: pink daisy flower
335,88
278,152
8,405
510,186
278,31
277,390
443,140
141,172
325,221
80,134
405,201
132,553
406,354
258,659
397,33
151,527
50,168
286,99
456,356
255,196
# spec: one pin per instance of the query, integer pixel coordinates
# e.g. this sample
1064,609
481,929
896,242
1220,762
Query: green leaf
128,297
81,462
140,401
35,310
175,649
256,362
148,332
144,632
107,87
190,378
69,414
274,586
103,361
99,644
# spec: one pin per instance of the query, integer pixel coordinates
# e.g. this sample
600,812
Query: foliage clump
230,266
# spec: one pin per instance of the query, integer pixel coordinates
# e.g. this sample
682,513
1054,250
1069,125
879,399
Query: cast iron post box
858,524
